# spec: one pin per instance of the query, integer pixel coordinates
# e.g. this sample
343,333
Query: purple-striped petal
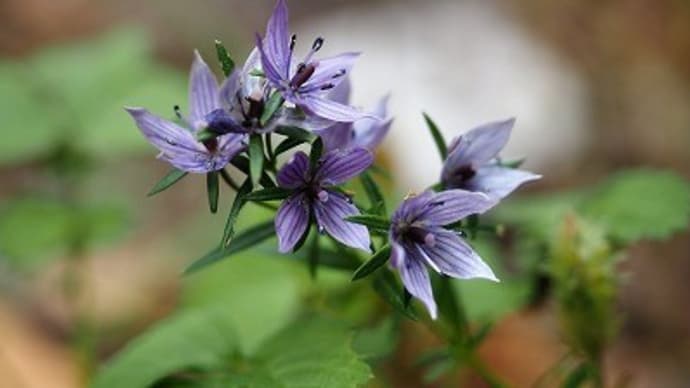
291,222
341,93
338,166
331,208
168,137
294,173
330,71
203,92
450,206
478,146
278,39
336,137
331,110
497,182
415,277
229,90
450,255
290,117
273,75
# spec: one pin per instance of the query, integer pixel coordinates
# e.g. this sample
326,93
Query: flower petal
330,215
331,71
477,147
165,135
331,110
203,91
341,93
290,117
497,182
229,90
336,137
294,173
272,74
291,222
277,41
415,277
450,206
454,257
339,166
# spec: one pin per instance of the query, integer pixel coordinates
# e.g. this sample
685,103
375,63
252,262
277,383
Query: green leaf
269,194
287,145
371,221
256,158
578,376
315,153
438,137
198,338
237,204
311,353
242,241
377,260
226,63
213,189
314,255
275,101
297,134
167,181
257,73
242,164
639,204
376,200
389,289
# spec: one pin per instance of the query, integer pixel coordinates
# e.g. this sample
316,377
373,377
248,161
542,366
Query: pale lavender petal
331,209
336,137
251,84
168,137
370,133
291,222
452,256
331,110
478,146
203,91
416,280
338,166
411,206
294,173
272,74
290,117
397,257
277,41
450,206
229,90
497,182
330,71
231,144
341,93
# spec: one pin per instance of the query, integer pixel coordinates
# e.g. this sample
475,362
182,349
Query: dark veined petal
272,74
277,42
231,144
229,90
339,166
330,71
336,137
450,206
341,93
331,209
452,256
294,173
410,207
331,110
497,182
415,277
477,147
291,222
203,91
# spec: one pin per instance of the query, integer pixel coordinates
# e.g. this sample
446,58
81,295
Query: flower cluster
232,123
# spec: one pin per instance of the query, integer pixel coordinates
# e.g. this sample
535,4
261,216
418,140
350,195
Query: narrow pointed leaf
315,153
256,158
272,105
296,133
242,164
226,63
371,221
438,137
314,255
287,145
237,204
269,194
377,260
213,189
376,200
247,239
167,181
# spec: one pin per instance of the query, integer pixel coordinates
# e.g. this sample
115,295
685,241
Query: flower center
464,173
416,234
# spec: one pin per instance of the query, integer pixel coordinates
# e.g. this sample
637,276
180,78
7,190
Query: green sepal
438,137
296,133
226,63
315,154
377,261
237,204
256,158
213,190
167,181
275,101
287,145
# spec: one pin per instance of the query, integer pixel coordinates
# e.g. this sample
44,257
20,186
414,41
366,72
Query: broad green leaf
256,158
167,181
198,338
226,63
377,260
639,204
438,137
311,353
213,190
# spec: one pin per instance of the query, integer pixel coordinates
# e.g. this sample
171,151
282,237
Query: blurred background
87,261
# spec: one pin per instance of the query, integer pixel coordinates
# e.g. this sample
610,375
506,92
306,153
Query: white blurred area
465,63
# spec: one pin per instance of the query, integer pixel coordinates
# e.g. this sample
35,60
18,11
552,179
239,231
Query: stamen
339,74
293,40
178,114
304,72
323,196
327,87
318,43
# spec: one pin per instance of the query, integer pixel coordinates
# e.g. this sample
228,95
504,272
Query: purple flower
314,197
365,133
305,84
471,163
178,145
418,239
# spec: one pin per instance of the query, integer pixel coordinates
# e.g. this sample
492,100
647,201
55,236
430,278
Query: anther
176,109
327,86
293,40
318,42
339,74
